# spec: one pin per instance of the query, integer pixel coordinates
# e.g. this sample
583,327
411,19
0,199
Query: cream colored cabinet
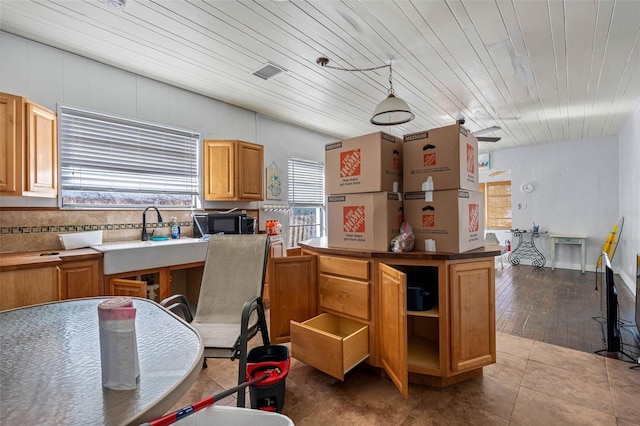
233,170
25,287
80,279
28,148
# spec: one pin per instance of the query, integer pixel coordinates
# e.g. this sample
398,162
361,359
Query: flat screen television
613,328
638,294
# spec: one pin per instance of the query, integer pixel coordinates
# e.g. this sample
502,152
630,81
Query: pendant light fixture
392,110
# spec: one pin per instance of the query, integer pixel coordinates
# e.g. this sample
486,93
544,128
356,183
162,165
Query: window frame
315,200
111,162
489,202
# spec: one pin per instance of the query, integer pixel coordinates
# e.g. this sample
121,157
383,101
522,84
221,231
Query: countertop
321,245
44,258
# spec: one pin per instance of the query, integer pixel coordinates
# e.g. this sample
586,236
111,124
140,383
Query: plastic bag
404,241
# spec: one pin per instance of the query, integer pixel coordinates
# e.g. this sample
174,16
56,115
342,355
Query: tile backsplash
33,230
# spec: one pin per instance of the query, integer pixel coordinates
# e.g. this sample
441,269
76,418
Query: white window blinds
306,182
102,154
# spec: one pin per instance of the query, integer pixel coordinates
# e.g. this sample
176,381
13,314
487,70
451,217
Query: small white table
568,239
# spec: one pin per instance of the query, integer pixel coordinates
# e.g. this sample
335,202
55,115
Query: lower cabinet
473,325
455,335
80,279
66,279
292,293
157,284
338,311
28,287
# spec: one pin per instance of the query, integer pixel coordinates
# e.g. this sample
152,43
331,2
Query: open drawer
330,343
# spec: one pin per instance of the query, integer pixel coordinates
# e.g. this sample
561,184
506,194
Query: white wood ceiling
544,71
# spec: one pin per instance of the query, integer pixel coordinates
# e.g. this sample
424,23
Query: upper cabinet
233,170
28,148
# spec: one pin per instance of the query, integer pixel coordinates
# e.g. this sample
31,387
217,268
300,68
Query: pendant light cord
324,62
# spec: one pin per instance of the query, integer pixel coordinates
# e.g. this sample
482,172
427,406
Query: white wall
575,193
629,194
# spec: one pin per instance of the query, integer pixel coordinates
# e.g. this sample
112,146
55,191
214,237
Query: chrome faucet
144,222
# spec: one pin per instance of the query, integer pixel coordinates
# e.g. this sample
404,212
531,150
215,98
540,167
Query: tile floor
532,383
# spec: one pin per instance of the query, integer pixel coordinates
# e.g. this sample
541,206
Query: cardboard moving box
448,154
369,163
454,219
365,221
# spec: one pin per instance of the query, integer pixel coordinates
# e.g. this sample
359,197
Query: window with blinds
306,200
497,202
113,162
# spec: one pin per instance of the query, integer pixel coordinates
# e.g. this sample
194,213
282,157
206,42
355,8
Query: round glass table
50,371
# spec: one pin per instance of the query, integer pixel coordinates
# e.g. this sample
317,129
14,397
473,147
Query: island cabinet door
393,326
292,293
473,322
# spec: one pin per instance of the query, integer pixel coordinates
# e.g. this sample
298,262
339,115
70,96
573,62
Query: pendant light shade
392,111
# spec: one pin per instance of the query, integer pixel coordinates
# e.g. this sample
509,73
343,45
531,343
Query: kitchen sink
129,256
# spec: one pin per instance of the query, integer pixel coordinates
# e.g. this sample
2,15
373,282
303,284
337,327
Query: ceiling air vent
268,71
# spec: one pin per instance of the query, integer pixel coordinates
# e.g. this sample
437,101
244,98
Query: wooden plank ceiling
544,71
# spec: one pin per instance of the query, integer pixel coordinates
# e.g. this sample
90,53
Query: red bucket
268,394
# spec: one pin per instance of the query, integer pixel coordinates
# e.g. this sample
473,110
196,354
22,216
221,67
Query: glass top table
50,371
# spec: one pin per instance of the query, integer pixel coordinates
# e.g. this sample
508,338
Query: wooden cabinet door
293,289
11,144
232,170
276,249
392,326
473,323
250,171
28,287
219,159
41,178
80,279
130,288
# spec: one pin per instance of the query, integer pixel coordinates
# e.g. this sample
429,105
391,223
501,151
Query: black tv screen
613,330
638,293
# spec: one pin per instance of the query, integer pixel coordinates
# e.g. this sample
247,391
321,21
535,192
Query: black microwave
226,223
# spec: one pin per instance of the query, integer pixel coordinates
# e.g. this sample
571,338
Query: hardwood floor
561,307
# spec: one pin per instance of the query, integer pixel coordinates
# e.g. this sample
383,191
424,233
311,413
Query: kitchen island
339,307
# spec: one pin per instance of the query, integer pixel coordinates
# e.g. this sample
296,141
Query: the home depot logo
396,160
428,220
429,159
350,163
474,217
353,219
471,159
